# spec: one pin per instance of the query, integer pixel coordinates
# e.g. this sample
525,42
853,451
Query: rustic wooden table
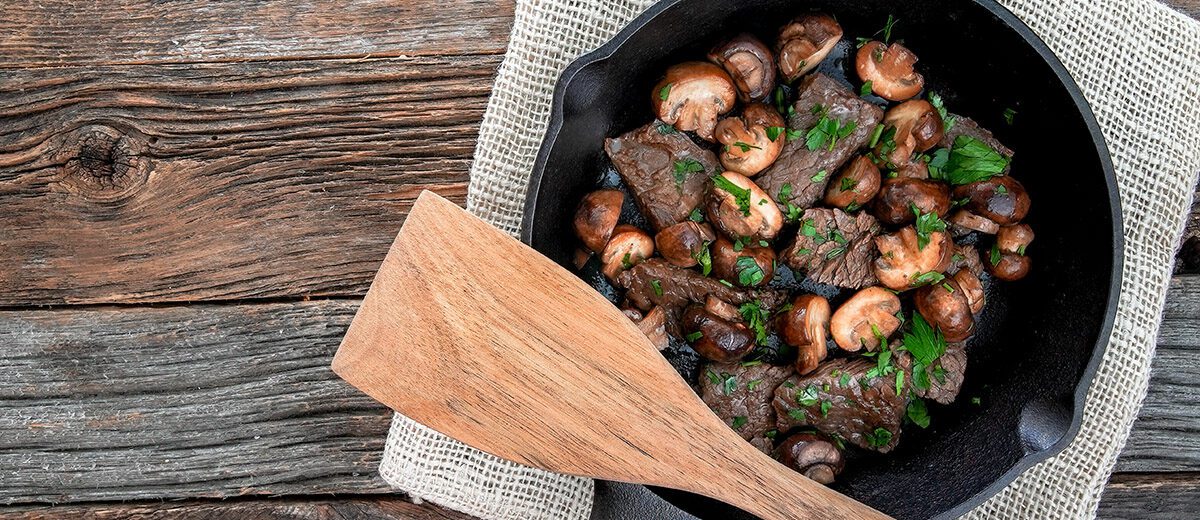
196,194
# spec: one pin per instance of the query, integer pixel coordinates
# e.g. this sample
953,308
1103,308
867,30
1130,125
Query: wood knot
102,162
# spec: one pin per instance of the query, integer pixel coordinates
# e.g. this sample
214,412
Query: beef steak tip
835,248
740,394
657,282
945,376
797,166
841,401
664,170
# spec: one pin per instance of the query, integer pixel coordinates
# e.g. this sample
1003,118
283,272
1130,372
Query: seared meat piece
966,126
840,400
740,394
664,170
657,282
799,167
835,247
945,376
965,257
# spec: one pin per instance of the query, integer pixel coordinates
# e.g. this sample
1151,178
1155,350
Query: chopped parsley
754,363
773,132
926,345
918,413
664,93
704,258
797,414
834,253
1009,114
740,195
657,286
728,383
1021,250
848,184
844,381
994,256
684,168
866,89
664,128
940,106
807,228
887,29
879,438
971,160
1000,189
712,376
976,401
807,396
825,406
771,434
827,130
694,336
626,262
752,384
875,135
745,147
785,196
837,236
748,271
756,318
781,103
819,176
792,135
927,224
696,215
899,382
738,422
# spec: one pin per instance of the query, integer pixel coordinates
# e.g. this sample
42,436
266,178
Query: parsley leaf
827,130
704,258
918,413
756,318
738,422
866,89
848,184
972,160
664,93
807,396
773,132
819,176
926,345
994,257
696,215
684,168
927,224
664,128
939,105
745,147
825,406
879,438
693,337
752,384
741,195
728,383
657,286
1008,116
748,271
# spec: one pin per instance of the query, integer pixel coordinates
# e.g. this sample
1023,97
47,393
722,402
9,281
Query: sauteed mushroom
654,326
597,216
1007,260
748,147
627,248
972,222
1009,267
722,309
812,455
945,305
898,196
692,95
890,70
805,42
682,244
1000,199
803,326
903,264
972,288
918,125
749,63
854,186
1014,239
739,208
715,337
855,323
749,265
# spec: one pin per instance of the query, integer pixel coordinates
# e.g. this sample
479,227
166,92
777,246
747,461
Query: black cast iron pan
1039,340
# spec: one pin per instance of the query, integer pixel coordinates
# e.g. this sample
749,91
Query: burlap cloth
1138,63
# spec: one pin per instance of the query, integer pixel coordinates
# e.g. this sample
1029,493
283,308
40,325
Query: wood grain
1188,7
1151,497
352,508
63,32
229,181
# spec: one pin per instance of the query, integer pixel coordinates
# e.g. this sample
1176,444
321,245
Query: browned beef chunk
840,400
657,282
945,376
665,171
799,167
740,394
835,247
965,257
963,125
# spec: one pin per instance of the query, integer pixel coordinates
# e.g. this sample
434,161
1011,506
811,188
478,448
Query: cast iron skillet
1039,340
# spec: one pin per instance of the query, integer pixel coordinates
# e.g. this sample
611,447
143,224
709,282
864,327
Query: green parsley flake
657,286
773,132
696,215
712,376
728,383
825,406
738,422
756,318
827,130
918,413
879,438
740,195
819,176
926,345
745,147
694,336
704,258
748,271
848,184
927,224
664,93
797,414
994,256
664,128
971,160
976,401
866,89
684,168
1009,114
752,384
807,396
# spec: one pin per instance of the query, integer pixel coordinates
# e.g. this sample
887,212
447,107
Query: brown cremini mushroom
903,264
805,42
1014,239
627,248
872,310
722,309
715,337
749,265
654,325
683,244
749,63
596,217
918,125
890,70
812,455
972,222
855,185
692,95
748,148
803,326
1000,199
1009,267
897,197
945,306
1007,260
913,170
740,209
972,288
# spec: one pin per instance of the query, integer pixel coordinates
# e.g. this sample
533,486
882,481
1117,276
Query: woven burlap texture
1138,64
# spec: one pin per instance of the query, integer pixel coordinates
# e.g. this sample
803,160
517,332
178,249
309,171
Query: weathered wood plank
1151,497
62,32
352,508
227,181
182,401
1188,7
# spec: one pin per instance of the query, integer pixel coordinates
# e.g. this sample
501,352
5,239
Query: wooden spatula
479,337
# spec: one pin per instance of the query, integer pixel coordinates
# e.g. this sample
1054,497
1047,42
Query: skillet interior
1038,340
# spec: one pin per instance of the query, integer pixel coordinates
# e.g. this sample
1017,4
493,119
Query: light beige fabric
1137,62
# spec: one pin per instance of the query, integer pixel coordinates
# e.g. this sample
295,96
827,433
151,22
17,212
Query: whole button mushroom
1014,239
945,306
692,95
597,216
889,69
812,455
747,266
860,321
715,337
627,248
1000,199
805,42
897,197
918,125
903,264
1007,260
854,186
739,208
683,244
803,326
749,63
748,148
972,288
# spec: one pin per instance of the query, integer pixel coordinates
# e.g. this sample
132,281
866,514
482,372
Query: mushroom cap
812,455
1010,268
890,70
855,185
917,123
902,261
897,196
597,216
913,170
720,340
692,95
727,263
722,309
1014,239
681,244
851,324
748,150
753,216
627,248
804,326
1001,199
804,43
945,306
749,63
970,221
654,325
972,288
